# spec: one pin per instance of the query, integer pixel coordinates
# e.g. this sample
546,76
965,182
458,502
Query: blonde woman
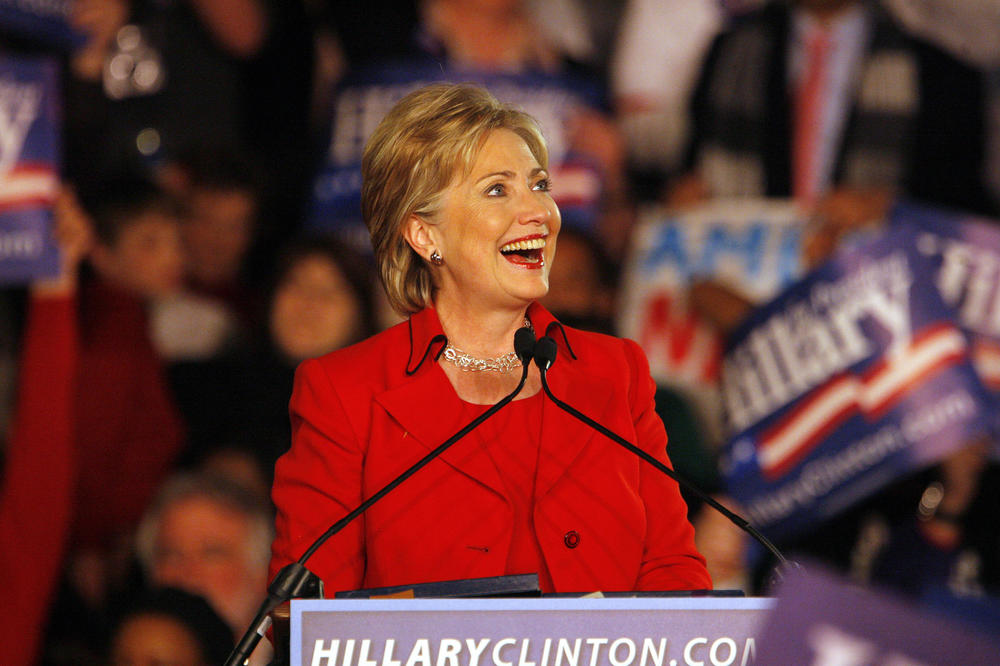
457,199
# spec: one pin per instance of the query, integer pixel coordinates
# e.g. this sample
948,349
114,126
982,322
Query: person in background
817,84
126,429
145,68
209,536
320,300
216,311
169,627
654,68
127,425
582,284
40,466
456,195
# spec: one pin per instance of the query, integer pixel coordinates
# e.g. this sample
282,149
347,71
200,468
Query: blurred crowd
144,389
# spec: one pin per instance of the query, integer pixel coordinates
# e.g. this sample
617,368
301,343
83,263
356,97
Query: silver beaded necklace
470,363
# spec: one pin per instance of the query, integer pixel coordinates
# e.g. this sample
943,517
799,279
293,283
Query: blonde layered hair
427,141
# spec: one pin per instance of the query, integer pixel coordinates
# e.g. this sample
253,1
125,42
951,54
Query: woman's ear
417,232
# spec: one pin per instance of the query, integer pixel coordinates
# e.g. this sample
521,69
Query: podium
540,631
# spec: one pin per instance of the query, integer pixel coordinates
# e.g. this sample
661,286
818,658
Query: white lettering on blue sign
968,280
19,107
743,245
819,476
21,245
810,341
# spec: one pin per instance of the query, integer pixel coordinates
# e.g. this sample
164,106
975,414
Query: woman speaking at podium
457,200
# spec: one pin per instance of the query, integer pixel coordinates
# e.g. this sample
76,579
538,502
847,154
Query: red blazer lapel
564,437
428,409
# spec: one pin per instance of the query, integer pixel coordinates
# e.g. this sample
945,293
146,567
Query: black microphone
545,356
545,353
524,344
294,578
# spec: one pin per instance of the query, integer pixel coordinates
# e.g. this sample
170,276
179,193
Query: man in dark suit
831,102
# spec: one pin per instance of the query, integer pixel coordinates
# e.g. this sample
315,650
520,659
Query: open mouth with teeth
526,252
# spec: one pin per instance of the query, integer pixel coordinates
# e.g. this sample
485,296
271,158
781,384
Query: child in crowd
127,426
126,430
96,429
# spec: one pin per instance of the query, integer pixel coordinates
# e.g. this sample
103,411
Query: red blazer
605,520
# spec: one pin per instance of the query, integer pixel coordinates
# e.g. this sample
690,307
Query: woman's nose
535,209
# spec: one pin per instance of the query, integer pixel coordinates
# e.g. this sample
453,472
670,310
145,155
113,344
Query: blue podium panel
650,631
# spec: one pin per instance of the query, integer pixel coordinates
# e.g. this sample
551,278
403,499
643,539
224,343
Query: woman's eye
495,190
543,185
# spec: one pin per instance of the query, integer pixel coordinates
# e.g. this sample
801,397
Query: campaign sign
29,140
45,21
751,245
691,631
852,378
966,253
364,97
820,620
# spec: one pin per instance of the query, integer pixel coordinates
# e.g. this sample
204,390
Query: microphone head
524,344
545,352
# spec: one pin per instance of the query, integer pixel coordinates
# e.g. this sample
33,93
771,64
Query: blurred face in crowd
239,467
314,310
218,234
575,283
146,258
206,548
155,640
497,227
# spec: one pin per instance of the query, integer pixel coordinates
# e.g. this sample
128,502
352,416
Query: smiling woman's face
497,227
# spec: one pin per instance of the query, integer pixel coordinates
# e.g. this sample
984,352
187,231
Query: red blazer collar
427,338
427,393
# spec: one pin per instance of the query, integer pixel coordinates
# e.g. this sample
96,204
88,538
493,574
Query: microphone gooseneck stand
293,578
545,356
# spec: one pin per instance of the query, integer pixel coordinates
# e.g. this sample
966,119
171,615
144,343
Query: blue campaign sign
751,245
820,620
366,95
852,378
45,22
966,253
29,148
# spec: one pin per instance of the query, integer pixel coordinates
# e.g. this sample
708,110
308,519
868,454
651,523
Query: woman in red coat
456,198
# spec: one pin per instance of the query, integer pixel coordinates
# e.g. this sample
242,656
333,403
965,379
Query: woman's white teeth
533,244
